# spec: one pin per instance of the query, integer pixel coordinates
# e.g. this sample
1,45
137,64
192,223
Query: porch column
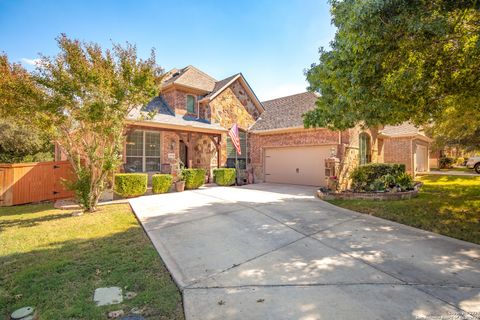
218,147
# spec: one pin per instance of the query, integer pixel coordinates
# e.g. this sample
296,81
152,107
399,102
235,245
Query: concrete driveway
270,251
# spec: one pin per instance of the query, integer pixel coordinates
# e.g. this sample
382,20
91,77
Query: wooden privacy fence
33,182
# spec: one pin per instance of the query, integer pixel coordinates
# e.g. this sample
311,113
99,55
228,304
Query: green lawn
449,205
53,261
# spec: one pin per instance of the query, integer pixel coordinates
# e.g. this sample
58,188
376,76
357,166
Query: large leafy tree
23,143
87,95
400,60
20,138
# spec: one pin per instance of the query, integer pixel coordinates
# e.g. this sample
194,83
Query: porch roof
140,116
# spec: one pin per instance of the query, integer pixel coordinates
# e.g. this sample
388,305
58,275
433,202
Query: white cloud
282,91
31,62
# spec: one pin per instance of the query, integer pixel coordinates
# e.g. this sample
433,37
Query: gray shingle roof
285,112
404,129
165,115
220,84
191,77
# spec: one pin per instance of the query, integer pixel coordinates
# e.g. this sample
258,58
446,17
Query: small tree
88,95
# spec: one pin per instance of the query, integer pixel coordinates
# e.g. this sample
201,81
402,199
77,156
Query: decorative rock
130,295
115,314
25,313
107,296
136,310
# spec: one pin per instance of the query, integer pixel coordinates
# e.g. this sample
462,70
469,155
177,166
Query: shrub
445,162
365,175
405,182
161,183
194,178
130,184
389,181
377,185
224,176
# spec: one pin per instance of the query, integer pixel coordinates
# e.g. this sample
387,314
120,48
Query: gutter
191,128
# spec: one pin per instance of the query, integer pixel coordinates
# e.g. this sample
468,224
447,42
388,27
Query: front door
183,153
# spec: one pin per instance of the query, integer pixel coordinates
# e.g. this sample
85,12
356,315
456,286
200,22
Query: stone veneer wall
231,106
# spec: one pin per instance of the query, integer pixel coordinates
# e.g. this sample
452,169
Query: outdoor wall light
333,152
172,145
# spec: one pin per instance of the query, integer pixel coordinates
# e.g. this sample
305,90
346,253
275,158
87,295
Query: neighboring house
406,144
194,112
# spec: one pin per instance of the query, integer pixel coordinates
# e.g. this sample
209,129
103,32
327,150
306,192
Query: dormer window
190,104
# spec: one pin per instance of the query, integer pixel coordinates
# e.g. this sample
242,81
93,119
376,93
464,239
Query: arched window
365,148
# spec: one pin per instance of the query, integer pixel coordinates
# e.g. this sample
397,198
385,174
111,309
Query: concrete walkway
269,251
471,173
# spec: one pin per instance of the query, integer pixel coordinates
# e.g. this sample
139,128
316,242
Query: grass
448,205
54,261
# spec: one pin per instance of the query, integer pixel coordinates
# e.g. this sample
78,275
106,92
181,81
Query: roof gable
221,85
189,77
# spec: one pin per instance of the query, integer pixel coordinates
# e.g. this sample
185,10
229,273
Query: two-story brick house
195,111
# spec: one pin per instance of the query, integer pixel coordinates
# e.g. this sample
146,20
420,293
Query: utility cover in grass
107,296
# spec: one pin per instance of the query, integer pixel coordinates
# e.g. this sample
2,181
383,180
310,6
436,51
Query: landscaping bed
53,260
448,205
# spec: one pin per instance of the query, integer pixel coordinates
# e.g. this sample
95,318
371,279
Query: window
143,151
190,104
364,148
232,156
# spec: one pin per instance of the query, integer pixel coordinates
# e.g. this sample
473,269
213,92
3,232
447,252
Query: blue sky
270,42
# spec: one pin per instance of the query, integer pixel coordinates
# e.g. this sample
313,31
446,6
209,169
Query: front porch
159,149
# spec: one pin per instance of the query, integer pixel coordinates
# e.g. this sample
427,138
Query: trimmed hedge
365,176
161,183
224,176
194,178
130,184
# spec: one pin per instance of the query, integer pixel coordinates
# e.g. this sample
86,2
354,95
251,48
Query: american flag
233,133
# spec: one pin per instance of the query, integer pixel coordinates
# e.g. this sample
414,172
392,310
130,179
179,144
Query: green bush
130,184
161,183
389,181
194,178
377,185
446,162
365,175
224,176
405,182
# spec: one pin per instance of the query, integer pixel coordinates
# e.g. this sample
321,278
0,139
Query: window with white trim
143,151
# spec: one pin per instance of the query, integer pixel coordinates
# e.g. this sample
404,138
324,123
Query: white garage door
421,159
296,165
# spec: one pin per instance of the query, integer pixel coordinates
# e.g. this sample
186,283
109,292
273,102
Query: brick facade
177,100
346,144
399,150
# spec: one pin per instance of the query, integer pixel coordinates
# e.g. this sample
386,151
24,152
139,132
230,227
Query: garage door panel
296,165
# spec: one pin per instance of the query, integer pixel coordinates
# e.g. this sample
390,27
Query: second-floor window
190,104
